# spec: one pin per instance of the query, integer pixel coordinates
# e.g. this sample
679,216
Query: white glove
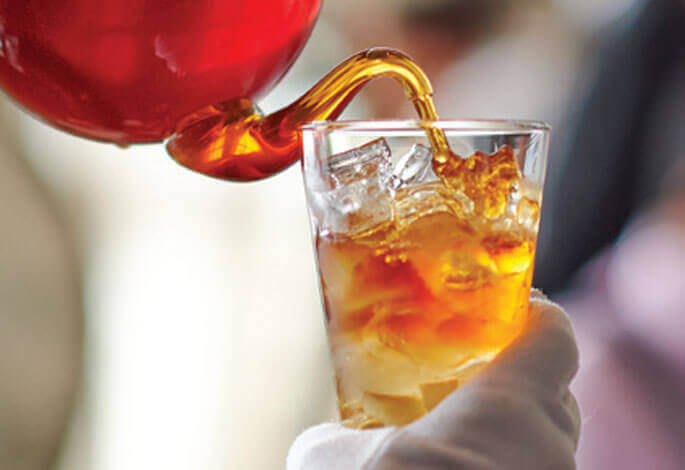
518,413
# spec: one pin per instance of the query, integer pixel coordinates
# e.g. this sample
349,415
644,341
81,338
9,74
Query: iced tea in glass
425,267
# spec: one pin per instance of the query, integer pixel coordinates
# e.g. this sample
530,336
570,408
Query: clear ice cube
370,365
414,167
461,271
528,214
419,201
361,189
371,160
434,392
393,410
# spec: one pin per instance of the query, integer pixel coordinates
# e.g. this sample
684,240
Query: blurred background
155,318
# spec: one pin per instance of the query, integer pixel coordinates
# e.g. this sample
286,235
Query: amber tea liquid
418,304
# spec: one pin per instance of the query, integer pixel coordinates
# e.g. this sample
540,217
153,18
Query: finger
512,428
333,446
572,408
563,412
545,353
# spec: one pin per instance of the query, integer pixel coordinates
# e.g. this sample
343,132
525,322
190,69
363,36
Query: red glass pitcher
128,71
132,71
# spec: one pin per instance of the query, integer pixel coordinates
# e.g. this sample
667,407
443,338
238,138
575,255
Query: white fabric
517,414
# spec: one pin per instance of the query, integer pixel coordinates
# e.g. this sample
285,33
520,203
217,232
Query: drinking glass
424,278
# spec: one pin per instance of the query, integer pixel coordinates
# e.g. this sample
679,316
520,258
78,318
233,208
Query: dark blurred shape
615,203
609,166
629,317
459,18
41,321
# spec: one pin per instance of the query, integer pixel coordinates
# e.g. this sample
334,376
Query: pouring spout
234,141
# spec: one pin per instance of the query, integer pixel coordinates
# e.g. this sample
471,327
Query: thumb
545,352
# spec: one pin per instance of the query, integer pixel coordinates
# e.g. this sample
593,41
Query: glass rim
448,125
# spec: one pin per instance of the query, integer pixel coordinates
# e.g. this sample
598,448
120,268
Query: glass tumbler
425,275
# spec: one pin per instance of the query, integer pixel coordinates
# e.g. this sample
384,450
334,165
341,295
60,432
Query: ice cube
414,167
435,391
361,189
370,161
408,328
352,416
361,421
419,201
367,364
393,410
511,250
466,271
528,213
